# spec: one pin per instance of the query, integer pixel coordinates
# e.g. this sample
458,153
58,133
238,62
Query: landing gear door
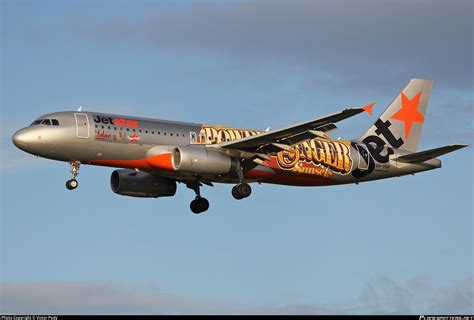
82,125
364,156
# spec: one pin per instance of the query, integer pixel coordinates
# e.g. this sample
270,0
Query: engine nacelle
203,160
141,184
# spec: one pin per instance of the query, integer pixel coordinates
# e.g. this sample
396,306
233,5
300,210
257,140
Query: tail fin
400,124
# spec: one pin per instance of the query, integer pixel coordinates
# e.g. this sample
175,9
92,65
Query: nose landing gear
241,191
73,184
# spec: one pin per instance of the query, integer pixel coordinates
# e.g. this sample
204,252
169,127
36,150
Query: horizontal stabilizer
422,156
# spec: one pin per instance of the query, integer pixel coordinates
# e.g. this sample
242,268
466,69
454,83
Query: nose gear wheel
74,169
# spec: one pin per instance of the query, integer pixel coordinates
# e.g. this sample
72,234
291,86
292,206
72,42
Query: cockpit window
46,122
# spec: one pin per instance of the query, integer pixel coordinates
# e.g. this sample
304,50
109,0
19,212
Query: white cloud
380,296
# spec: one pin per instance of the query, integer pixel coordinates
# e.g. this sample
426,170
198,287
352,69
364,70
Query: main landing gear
241,191
199,204
73,184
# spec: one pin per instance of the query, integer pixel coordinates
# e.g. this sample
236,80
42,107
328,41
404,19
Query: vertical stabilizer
400,124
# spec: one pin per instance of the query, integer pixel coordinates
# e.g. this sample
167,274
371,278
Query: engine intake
141,184
203,160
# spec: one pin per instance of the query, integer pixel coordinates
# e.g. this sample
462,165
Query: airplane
154,155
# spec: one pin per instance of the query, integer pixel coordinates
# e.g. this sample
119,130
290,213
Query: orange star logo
409,113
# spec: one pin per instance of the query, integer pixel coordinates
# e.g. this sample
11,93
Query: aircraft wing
282,139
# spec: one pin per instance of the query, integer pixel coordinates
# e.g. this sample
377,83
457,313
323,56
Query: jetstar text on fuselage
116,121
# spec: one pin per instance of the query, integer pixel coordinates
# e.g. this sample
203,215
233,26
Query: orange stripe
131,164
161,161
258,174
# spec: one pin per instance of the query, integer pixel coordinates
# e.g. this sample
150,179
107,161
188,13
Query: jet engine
141,184
203,160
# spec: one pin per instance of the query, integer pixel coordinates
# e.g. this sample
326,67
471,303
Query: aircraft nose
22,138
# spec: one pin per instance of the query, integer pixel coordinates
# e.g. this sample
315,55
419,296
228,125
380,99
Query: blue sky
402,245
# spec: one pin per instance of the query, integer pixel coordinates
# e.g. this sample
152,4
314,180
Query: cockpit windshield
46,122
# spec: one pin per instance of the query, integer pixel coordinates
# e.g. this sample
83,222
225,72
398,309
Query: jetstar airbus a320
156,154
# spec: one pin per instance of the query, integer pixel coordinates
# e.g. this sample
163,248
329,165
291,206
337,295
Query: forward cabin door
82,125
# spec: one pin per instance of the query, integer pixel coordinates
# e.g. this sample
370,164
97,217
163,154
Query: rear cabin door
364,156
82,125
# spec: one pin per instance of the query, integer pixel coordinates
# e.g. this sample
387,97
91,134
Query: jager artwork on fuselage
218,134
314,157
318,157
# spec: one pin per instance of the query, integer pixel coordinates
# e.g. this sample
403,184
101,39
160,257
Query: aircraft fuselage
126,142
